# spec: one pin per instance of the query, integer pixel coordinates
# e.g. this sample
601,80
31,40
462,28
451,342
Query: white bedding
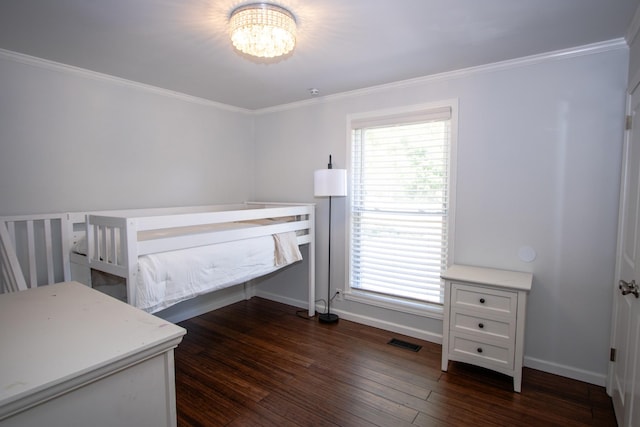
167,278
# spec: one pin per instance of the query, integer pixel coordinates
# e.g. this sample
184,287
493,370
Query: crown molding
591,49
94,75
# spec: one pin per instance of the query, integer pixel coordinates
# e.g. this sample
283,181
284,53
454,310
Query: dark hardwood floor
257,363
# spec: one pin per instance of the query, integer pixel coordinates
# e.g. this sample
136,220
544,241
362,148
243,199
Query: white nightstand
484,318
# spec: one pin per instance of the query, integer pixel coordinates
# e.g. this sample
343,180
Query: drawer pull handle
480,325
481,300
479,350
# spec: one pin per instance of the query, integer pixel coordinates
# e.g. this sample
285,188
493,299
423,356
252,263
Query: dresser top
53,334
489,276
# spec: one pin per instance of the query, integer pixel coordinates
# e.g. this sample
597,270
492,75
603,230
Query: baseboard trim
389,326
566,371
365,320
279,298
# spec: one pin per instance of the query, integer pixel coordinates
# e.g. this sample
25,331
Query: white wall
538,164
75,140
539,149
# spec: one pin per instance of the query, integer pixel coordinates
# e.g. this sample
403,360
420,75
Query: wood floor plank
451,414
386,390
259,416
199,405
288,409
261,363
307,397
350,400
424,420
501,395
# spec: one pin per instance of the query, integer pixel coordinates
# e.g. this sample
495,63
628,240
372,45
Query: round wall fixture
527,254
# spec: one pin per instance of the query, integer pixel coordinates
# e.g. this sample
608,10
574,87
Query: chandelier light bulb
263,30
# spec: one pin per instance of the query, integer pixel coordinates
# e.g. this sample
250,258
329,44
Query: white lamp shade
330,182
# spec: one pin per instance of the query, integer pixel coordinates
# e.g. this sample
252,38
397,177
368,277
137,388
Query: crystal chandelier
263,30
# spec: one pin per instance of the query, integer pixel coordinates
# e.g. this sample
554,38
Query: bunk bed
144,247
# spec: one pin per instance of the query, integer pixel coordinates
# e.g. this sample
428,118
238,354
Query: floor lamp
330,183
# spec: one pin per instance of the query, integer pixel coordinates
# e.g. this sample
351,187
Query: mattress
167,278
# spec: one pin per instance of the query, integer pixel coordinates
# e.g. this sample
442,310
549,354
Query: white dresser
72,356
484,318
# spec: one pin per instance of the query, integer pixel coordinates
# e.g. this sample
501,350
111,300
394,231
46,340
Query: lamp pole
329,317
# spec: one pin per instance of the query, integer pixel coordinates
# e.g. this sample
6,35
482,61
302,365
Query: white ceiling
342,45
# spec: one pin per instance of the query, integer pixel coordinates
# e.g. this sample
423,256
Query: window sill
424,309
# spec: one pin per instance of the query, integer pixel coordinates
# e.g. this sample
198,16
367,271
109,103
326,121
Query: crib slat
66,231
31,246
49,250
91,241
103,243
113,257
11,227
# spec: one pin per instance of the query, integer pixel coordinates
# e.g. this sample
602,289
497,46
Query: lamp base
328,318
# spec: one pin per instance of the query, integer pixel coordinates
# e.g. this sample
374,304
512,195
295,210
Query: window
400,204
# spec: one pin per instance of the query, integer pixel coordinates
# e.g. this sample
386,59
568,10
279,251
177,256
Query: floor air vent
403,344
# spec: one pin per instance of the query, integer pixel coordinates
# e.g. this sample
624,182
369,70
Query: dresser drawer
494,301
470,324
480,353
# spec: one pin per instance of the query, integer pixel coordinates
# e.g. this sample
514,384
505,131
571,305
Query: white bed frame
48,240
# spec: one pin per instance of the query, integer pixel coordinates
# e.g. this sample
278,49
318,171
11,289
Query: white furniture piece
72,356
115,242
148,248
484,318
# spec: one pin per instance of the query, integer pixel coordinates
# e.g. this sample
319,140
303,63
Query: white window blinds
399,204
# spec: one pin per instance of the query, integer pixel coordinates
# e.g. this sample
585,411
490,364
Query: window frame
425,309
